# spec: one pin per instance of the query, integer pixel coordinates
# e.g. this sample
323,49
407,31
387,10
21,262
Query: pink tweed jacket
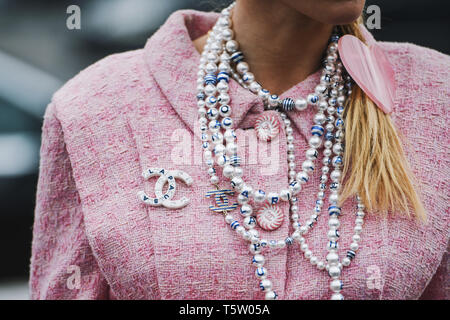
93,238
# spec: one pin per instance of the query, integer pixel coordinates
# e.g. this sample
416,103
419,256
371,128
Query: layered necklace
220,60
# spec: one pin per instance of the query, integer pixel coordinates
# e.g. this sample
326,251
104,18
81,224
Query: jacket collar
173,61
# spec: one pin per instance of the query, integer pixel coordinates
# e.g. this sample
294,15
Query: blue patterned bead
223,76
334,210
234,224
289,241
351,254
337,161
317,130
339,123
333,245
210,78
340,110
261,272
227,122
201,96
235,161
329,135
237,57
287,104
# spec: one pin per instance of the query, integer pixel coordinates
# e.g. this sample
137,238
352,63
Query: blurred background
38,54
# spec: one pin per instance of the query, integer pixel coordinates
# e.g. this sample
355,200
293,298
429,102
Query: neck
282,46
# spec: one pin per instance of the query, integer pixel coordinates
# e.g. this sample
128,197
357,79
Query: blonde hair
375,165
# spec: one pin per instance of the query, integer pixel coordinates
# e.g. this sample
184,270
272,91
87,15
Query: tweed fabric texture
137,109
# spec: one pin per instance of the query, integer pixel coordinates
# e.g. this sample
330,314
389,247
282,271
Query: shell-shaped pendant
269,217
267,127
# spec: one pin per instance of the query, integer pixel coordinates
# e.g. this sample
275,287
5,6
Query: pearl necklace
329,96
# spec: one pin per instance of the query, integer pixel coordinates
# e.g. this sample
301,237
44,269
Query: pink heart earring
370,69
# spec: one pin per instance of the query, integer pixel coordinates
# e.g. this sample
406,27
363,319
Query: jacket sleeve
62,262
438,288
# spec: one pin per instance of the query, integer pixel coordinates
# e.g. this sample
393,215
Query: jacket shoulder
107,82
416,65
422,78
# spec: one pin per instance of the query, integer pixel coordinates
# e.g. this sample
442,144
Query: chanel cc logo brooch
165,199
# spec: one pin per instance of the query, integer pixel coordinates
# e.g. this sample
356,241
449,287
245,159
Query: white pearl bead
238,172
334,223
229,218
334,271
308,166
308,254
273,100
228,171
302,177
336,285
240,230
265,285
271,295
214,179
359,221
354,246
315,142
258,260
242,67
346,261
320,265
337,296
231,148
285,195
272,197
301,104
254,87
231,46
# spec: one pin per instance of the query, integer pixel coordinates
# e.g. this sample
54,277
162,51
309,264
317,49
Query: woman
270,164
